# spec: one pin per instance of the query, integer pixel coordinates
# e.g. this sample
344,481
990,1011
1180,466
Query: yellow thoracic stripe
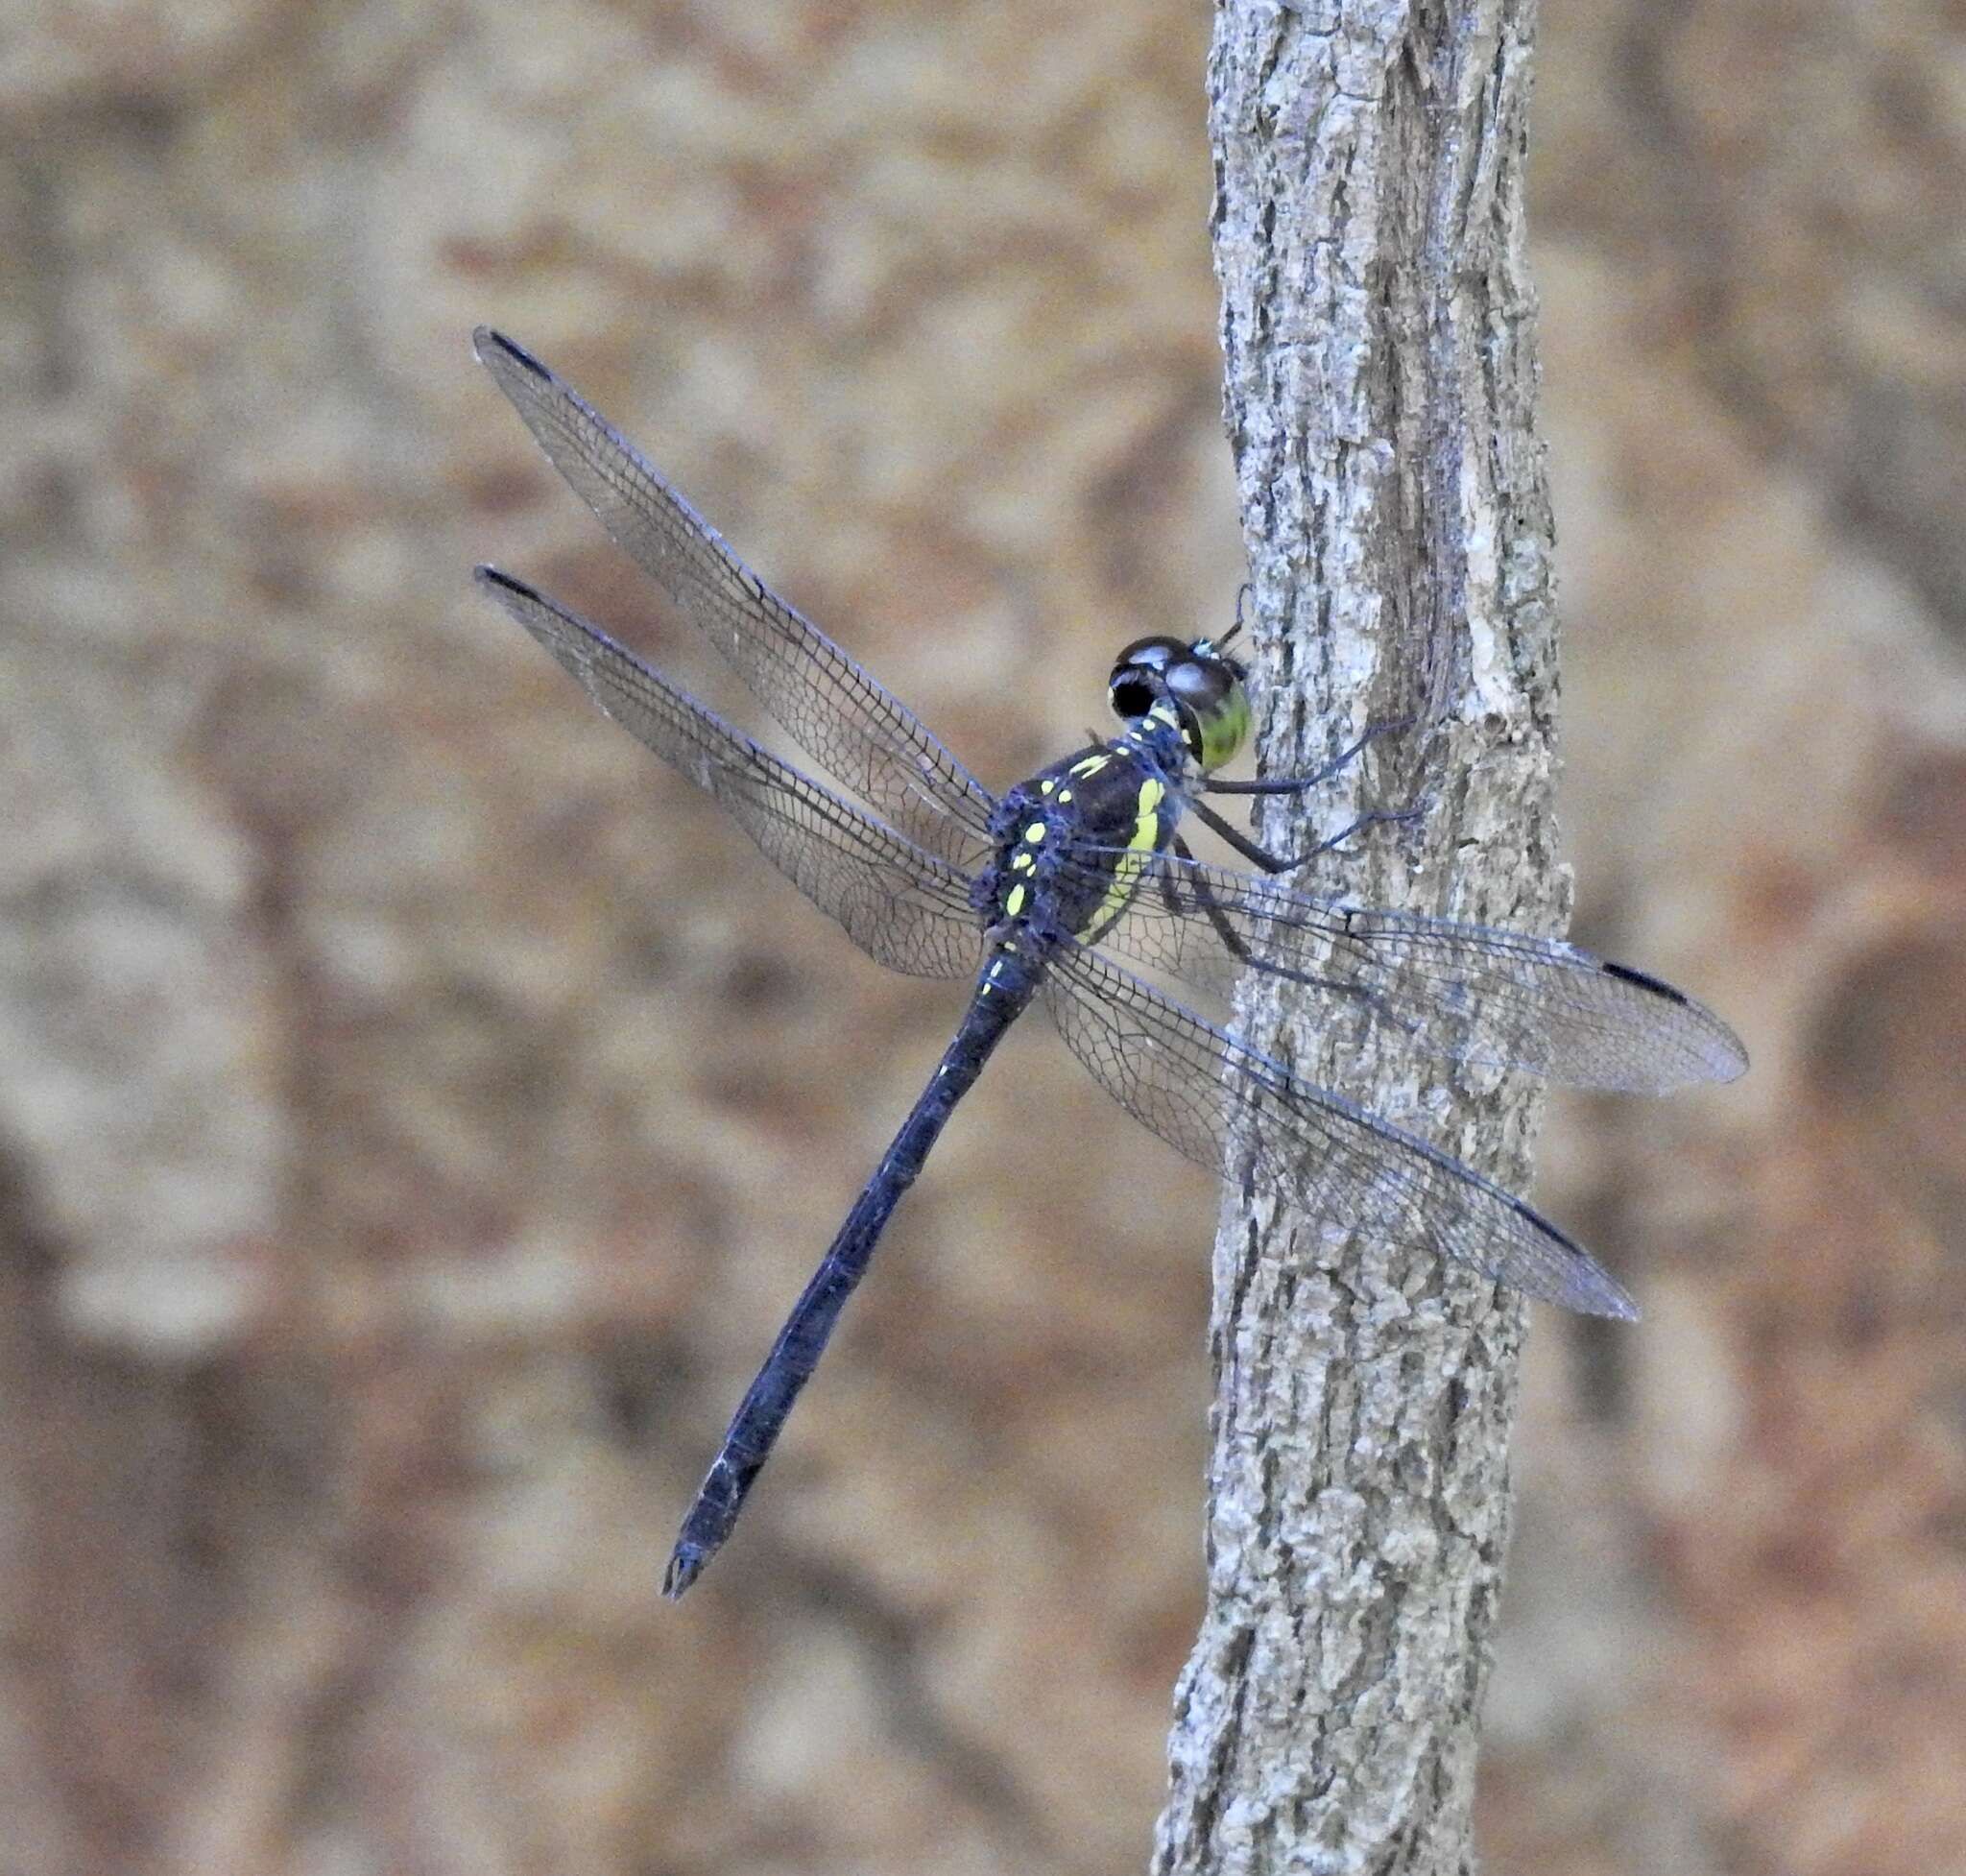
1144,842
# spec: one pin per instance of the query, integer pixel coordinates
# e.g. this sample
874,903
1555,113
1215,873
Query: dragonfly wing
847,722
904,908
1215,1100
1469,992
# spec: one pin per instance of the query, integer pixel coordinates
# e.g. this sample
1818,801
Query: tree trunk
1377,326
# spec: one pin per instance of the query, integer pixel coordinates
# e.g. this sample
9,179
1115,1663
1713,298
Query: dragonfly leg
1297,785
1205,896
1262,857
1270,863
1376,817
1255,855
1232,940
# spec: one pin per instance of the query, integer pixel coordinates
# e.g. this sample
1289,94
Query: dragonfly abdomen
1006,983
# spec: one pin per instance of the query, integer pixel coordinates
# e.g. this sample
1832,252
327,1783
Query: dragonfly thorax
1072,843
1190,683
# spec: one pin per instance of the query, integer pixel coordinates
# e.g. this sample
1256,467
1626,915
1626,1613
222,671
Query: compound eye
1203,684
1139,676
1214,707
1155,653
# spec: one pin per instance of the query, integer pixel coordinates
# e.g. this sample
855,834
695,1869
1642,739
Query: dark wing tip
488,575
1644,982
1722,1056
1583,1285
489,344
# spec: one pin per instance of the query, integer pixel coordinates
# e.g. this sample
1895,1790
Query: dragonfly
1065,889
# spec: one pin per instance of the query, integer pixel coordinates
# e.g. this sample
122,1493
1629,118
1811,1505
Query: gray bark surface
1377,326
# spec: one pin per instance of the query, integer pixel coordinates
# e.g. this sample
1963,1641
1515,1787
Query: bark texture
1377,326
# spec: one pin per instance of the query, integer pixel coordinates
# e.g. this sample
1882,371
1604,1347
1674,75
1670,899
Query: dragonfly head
1198,681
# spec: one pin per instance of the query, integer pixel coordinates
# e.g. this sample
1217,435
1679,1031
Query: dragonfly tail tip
684,1570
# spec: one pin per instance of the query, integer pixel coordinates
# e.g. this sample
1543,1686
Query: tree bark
1377,327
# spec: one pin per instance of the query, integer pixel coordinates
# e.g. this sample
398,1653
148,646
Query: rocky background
416,1107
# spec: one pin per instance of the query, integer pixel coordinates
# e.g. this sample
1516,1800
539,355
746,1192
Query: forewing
907,909
1206,1094
1464,990
863,737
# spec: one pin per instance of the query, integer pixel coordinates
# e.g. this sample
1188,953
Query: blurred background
417,1107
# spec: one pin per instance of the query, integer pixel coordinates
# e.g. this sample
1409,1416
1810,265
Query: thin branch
1378,329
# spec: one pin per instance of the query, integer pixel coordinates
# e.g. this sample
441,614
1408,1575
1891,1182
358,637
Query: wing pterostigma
1213,1099
1467,992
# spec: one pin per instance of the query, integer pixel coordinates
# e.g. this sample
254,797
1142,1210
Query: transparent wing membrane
1212,1098
931,882
905,908
1467,992
849,724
